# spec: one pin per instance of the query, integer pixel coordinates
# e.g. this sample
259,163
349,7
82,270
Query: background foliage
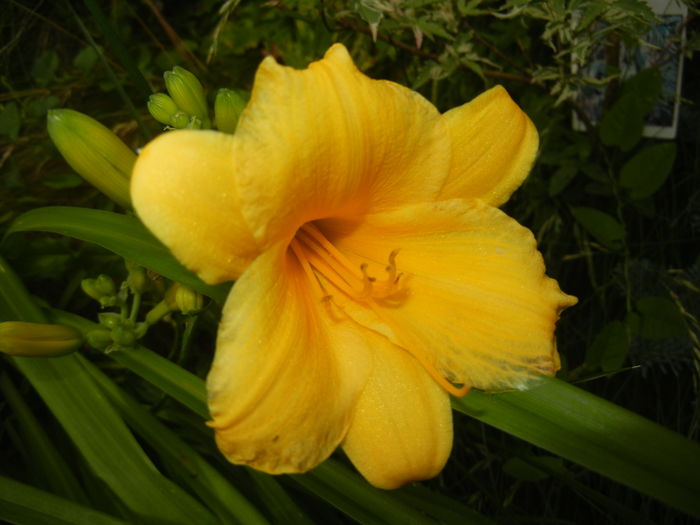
617,217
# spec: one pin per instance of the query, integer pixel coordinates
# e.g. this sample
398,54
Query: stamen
367,282
323,262
299,253
312,243
329,265
314,232
391,269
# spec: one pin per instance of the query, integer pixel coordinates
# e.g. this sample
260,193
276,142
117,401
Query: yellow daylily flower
375,274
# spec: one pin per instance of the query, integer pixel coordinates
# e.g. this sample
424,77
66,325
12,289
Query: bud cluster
185,105
121,330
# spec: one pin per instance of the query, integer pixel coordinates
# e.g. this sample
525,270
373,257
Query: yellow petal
402,429
285,378
474,300
493,147
328,141
183,190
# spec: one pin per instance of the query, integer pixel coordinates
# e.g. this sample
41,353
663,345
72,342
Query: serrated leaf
605,228
647,171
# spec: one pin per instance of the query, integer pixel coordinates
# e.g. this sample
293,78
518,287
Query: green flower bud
90,288
124,336
38,340
187,300
187,92
94,152
99,339
180,120
162,108
137,281
227,108
105,285
110,319
195,123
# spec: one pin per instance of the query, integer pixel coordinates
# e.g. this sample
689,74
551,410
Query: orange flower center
325,265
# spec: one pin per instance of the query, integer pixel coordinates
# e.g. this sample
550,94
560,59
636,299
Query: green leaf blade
121,234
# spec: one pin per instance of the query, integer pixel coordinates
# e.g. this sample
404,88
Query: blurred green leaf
121,234
92,423
609,348
597,434
659,318
191,468
62,181
623,122
528,468
647,171
46,458
562,178
605,228
10,121
86,58
45,67
26,505
37,107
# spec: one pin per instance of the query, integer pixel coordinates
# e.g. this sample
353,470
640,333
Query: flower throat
324,264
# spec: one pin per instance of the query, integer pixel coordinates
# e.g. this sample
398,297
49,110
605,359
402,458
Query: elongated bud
94,152
187,92
227,108
38,340
162,108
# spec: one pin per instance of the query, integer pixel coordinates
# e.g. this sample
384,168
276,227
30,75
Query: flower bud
227,108
180,120
187,300
124,336
162,108
187,92
110,319
99,339
94,152
105,285
195,123
38,340
101,289
137,281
